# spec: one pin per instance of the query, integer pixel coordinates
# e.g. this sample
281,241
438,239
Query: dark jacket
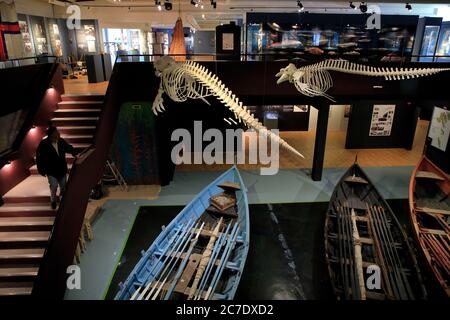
49,162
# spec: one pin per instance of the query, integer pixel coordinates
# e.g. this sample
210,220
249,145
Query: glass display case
28,47
443,47
55,37
86,39
39,35
282,39
429,43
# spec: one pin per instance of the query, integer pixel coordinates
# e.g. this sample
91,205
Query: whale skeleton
189,80
315,80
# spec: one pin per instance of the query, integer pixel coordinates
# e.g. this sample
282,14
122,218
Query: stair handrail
86,171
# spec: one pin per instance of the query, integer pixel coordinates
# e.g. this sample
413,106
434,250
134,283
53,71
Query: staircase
26,218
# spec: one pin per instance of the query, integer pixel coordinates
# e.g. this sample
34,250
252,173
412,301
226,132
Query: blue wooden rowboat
170,268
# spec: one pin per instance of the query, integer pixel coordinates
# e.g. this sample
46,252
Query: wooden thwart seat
355,179
433,211
433,231
429,175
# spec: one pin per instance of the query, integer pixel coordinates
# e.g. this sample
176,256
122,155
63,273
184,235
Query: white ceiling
228,10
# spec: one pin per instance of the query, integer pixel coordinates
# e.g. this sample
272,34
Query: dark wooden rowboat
363,241
429,203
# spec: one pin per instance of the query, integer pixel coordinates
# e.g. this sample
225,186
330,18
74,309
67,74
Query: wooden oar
222,240
179,236
358,257
205,258
223,261
170,264
183,264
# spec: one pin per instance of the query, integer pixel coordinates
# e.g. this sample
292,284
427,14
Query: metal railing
276,57
20,62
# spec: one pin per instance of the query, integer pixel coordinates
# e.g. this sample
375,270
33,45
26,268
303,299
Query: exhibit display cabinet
343,36
426,39
443,47
48,36
87,38
27,37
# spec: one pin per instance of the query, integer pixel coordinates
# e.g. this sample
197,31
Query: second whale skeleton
189,80
181,81
315,80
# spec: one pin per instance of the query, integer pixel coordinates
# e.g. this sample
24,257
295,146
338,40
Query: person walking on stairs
51,161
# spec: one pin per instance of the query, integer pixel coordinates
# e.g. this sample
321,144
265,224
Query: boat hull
151,263
429,212
363,239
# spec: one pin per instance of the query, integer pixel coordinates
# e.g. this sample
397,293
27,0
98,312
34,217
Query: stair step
16,288
28,210
82,97
24,236
18,272
36,253
73,137
74,121
77,130
62,113
28,199
81,146
26,221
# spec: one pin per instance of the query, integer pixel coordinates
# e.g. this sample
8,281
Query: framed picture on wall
26,36
301,108
382,120
440,128
228,41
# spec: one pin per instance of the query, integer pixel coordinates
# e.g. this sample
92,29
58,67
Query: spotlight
167,5
363,7
408,6
352,5
300,6
214,4
194,3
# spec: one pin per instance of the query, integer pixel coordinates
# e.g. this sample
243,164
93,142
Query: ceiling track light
408,6
352,5
167,5
300,6
214,4
363,7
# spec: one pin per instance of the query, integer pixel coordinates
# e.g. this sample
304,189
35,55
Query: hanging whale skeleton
189,80
315,80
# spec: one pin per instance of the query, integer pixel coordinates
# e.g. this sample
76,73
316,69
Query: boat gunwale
413,218
123,287
328,222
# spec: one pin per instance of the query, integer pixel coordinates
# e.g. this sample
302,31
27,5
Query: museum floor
113,226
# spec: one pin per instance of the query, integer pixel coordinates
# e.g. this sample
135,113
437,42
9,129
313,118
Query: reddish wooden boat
429,201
